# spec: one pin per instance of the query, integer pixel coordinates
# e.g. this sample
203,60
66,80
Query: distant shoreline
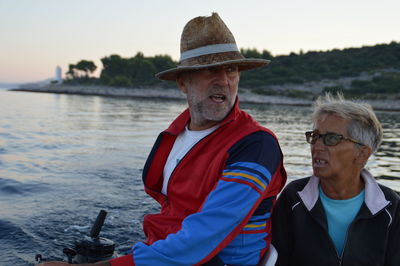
245,96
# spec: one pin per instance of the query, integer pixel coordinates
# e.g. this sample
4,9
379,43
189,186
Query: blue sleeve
249,168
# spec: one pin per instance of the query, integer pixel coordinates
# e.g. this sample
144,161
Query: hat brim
243,64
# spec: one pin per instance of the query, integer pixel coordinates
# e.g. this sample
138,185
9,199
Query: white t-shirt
183,143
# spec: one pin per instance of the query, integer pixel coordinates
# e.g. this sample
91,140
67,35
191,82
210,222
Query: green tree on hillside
87,67
71,73
311,66
135,71
113,66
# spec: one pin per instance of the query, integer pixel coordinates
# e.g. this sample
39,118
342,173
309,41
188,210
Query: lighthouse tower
58,76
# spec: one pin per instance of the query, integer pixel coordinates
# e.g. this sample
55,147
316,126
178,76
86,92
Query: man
215,171
340,215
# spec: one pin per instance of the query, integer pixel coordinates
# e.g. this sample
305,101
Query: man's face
335,163
210,93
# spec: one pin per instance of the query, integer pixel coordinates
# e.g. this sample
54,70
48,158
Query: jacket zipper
348,231
339,258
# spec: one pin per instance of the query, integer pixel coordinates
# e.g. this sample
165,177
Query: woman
340,215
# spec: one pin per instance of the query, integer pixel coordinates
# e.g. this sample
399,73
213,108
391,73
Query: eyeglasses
329,139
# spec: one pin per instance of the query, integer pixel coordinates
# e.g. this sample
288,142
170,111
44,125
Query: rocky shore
163,93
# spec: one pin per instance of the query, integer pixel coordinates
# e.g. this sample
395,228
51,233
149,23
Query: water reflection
116,131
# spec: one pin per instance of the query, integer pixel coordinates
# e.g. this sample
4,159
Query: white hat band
209,49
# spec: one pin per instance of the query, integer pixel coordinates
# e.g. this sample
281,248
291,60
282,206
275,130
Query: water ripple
9,187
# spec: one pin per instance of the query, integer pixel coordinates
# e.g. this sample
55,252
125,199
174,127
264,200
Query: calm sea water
65,157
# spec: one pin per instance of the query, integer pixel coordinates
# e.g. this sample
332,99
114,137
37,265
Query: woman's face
337,162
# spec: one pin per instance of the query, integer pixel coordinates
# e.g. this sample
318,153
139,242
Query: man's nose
221,76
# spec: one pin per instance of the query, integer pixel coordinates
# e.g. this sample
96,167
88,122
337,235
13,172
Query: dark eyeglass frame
329,139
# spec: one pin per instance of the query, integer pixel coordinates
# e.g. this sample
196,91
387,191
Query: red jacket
218,167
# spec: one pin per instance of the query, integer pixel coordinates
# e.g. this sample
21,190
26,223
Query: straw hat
207,42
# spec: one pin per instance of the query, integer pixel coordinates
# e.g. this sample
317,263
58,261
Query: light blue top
339,214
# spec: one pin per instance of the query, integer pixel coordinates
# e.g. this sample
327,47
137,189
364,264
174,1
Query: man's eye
231,69
208,71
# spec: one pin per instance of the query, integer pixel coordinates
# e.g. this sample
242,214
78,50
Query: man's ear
181,82
364,152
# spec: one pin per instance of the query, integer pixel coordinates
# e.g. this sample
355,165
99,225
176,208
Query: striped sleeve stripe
249,166
246,171
255,226
246,176
253,232
242,176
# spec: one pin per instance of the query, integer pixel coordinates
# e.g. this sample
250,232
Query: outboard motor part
92,248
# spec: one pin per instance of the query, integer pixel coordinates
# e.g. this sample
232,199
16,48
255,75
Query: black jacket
300,233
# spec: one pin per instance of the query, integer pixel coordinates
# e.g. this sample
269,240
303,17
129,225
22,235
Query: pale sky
38,35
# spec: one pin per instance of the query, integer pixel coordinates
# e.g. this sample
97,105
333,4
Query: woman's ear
364,152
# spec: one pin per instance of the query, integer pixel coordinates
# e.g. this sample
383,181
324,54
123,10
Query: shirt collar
374,197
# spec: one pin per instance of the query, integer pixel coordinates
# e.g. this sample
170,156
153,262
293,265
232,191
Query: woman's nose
318,145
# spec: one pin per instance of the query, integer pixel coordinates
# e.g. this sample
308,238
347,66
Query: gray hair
363,126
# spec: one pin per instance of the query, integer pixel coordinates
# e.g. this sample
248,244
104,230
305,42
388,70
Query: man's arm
243,185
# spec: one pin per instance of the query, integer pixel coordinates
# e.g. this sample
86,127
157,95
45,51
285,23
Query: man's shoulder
262,135
256,142
258,147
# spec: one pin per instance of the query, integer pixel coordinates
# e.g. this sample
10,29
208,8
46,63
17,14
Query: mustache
218,89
